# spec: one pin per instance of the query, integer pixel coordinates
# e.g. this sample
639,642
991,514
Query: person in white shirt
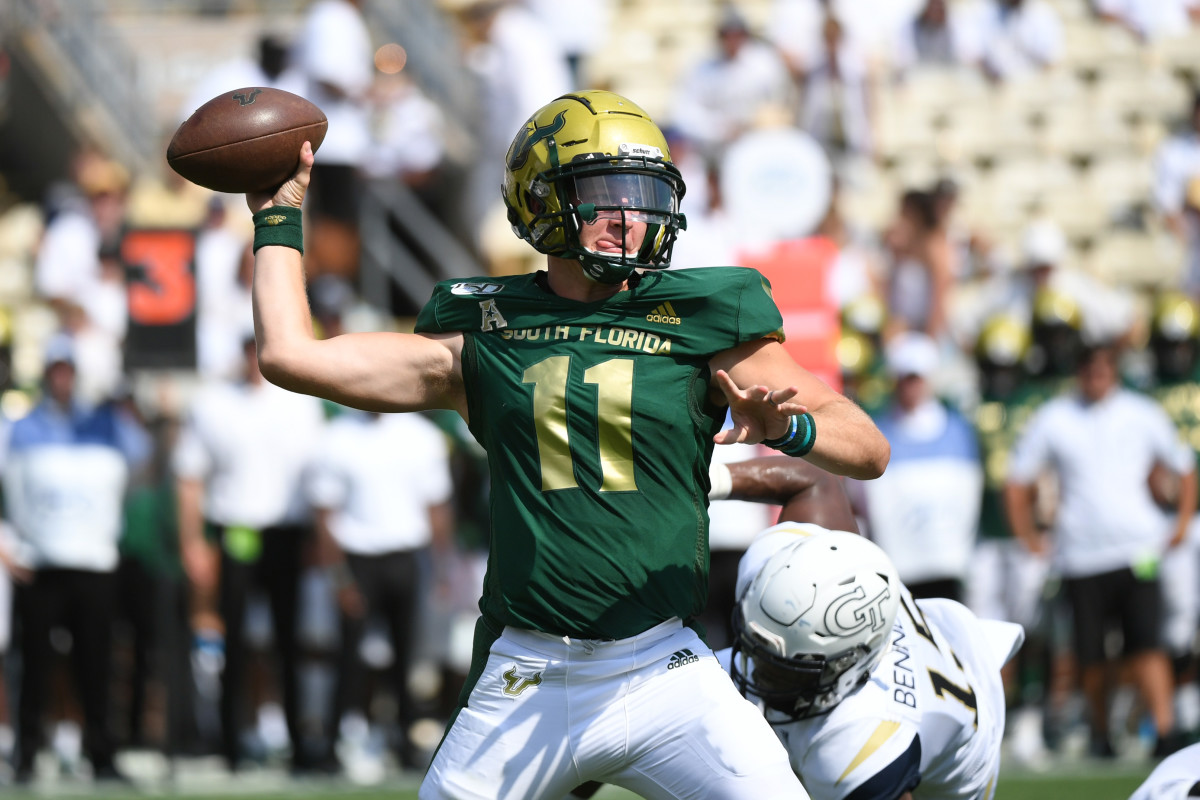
381,488
872,692
924,511
65,478
724,94
1101,442
243,522
1012,39
933,39
1150,19
1177,192
334,55
513,79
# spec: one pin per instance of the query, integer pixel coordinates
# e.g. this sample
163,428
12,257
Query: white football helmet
814,622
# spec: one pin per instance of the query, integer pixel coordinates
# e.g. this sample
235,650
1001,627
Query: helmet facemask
636,193
799,687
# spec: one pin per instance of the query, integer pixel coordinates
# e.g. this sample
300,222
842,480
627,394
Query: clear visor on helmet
644,198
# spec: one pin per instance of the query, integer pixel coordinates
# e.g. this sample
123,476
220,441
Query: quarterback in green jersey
598,388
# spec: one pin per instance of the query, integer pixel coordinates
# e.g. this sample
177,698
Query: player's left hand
757,412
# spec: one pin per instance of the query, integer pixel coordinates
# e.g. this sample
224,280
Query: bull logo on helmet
522,146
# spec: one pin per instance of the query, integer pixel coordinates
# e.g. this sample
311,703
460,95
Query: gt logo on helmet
848,615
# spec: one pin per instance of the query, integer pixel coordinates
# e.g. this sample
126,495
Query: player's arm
764,387
806,492
1185,507
373,371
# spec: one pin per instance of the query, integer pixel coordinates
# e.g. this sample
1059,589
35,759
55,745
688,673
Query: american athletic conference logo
681,658
664,314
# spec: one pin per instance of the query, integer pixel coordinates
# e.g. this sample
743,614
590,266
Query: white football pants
654,713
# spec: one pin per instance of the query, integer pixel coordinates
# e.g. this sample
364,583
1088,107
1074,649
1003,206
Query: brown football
246,140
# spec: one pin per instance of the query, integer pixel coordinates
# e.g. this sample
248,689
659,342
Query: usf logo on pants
514,684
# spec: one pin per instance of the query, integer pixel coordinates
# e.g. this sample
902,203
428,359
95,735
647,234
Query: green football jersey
598,428
998,424
1181,401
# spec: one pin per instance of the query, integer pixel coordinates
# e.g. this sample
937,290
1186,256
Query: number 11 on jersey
613,380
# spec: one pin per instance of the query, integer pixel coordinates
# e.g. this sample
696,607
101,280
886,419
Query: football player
875,696
1176,778
598,387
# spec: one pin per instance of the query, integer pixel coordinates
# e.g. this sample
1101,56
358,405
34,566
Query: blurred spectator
166,200
836,86
933,39
580,29
922,267
224,267
238,463
381,488
857,271
1175,346
1005,581
1011,39
860,353
497,37
1041,287
795,26
1058,341
925,509
727,93
1149,19
65,480
70,273
334,55
1177,192
1109,536
10,572
271,66
409,139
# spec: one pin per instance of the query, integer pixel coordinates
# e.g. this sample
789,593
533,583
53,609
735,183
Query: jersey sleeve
871,759
429,320
757,315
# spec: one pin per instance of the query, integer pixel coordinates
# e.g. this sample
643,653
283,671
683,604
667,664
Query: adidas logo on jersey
665,314
682,657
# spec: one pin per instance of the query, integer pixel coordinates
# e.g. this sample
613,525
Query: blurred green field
1079,782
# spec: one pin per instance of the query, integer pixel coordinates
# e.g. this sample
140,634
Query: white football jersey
929,720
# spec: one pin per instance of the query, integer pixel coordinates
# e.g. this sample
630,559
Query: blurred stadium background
1074,144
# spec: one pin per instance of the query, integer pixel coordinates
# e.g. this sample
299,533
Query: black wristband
279,225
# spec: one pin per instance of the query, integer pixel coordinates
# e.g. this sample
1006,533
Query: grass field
1079,781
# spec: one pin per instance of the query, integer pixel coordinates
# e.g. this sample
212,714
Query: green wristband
279,225
800,438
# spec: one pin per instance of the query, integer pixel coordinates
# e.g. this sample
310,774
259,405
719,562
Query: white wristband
721,481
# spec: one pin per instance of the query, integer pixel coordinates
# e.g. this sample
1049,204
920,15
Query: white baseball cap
911,353
1043,243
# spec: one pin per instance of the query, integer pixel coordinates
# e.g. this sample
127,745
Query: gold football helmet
589,154
1003,341
1176,317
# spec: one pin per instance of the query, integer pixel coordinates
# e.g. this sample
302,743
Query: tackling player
875,696
598,388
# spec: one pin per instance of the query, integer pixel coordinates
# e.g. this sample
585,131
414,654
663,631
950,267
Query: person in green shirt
598,388
1175,346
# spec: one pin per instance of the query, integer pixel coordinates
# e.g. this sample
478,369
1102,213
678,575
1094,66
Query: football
246,140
